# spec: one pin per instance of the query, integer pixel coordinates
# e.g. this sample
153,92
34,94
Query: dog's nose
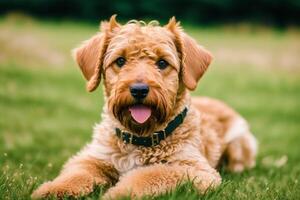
139,90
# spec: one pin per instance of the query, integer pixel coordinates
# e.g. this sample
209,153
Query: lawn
46,115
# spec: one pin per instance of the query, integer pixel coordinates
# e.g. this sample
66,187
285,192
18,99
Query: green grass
46,115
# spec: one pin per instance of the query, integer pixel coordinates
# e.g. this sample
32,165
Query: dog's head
145,68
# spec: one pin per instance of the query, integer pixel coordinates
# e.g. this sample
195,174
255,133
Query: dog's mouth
140,113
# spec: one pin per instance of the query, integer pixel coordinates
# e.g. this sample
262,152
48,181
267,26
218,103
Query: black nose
139,90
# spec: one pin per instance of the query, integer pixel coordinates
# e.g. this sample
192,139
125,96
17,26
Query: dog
153,134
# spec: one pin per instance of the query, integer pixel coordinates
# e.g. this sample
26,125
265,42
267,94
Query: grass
47,116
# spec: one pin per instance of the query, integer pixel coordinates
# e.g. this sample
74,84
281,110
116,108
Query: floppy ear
195,61
89,56
194,58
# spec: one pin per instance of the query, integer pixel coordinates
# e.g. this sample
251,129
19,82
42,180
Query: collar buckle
123,136
155,139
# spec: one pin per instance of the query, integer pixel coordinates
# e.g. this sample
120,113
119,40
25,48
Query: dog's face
146,69
141,68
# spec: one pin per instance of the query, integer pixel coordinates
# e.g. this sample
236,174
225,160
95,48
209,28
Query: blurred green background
46,115
275,12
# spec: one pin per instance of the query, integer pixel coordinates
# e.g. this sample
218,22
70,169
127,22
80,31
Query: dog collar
156,137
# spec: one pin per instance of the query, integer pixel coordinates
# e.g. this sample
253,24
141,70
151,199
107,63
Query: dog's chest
134,157
127,157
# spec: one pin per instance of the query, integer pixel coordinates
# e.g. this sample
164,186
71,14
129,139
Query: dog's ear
194,58
89,56
195,61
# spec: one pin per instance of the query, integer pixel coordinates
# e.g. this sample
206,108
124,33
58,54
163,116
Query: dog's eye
162,64
120,61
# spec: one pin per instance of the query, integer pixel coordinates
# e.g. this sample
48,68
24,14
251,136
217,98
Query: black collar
156,137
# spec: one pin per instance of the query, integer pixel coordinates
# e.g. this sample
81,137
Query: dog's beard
156,100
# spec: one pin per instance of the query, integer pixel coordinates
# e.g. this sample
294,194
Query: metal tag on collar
130,138
122,134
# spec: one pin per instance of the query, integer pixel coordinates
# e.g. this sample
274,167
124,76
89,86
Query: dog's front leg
78,177
160,178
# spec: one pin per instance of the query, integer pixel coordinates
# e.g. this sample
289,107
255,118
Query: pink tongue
140,113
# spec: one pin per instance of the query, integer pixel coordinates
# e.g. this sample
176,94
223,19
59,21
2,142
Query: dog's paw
60,190
119,193
42,192
74,185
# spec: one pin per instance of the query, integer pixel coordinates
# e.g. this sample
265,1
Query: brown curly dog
153,135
